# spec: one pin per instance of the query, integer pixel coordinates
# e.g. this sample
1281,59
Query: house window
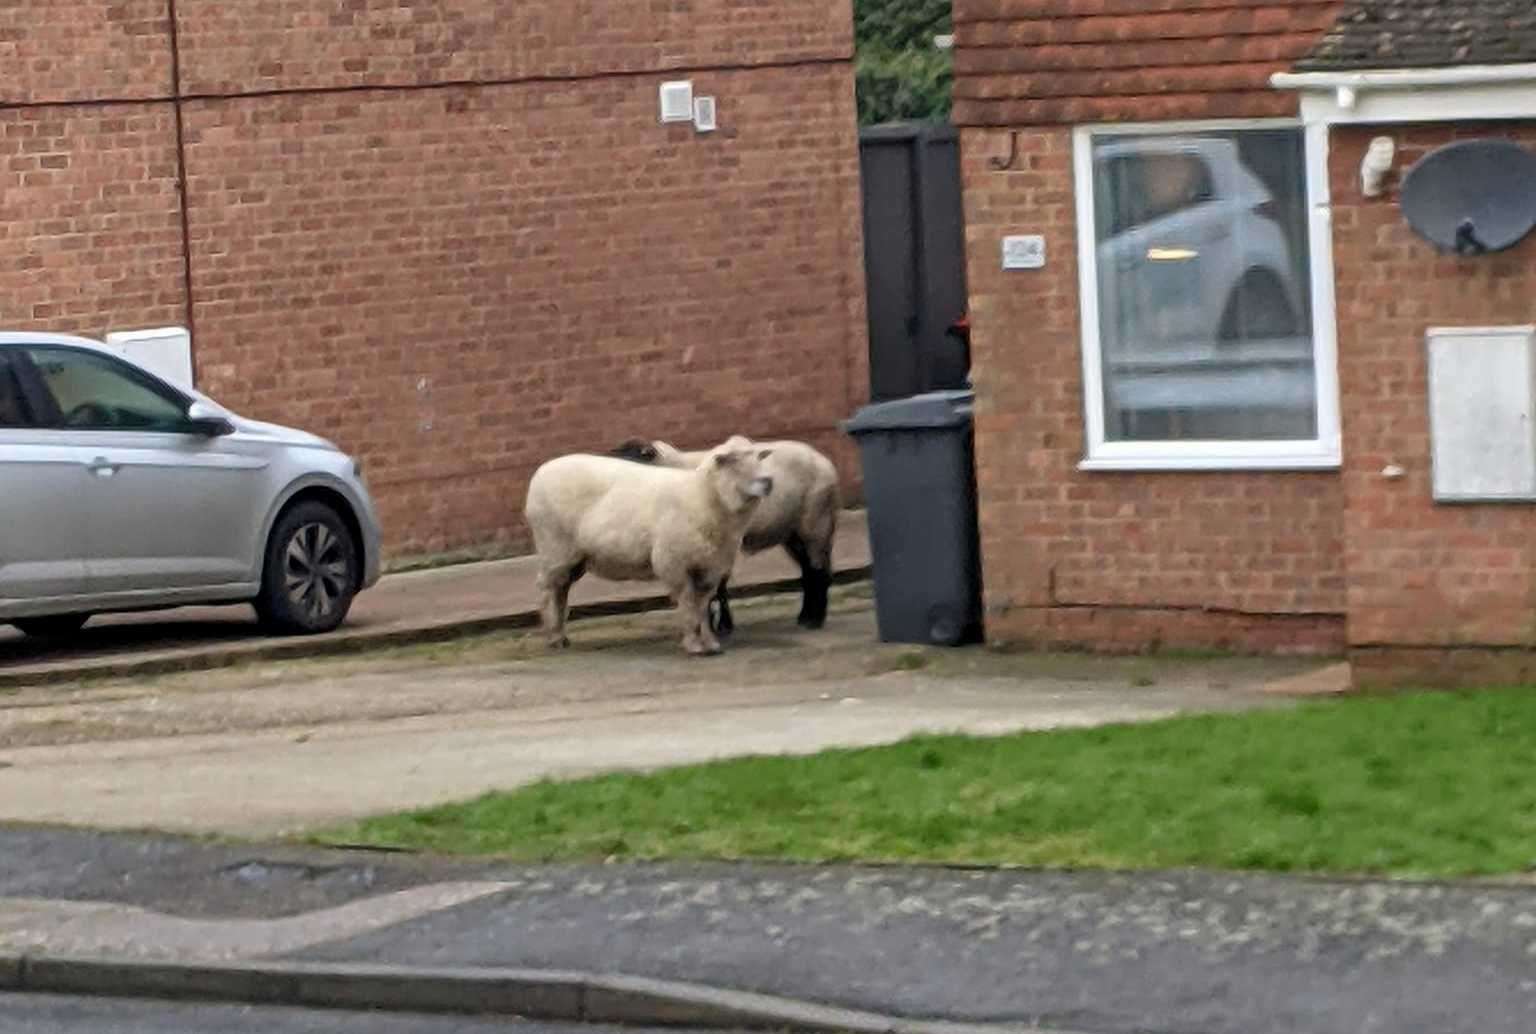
1207,297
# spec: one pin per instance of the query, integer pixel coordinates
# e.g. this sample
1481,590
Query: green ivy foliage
901,75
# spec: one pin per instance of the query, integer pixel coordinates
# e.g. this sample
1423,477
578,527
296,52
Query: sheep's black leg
818,585
815,584
720,620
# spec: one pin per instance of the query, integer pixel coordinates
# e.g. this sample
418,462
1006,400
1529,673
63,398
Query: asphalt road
62,1014
1111,953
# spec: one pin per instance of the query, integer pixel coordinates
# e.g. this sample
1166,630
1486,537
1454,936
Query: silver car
122,492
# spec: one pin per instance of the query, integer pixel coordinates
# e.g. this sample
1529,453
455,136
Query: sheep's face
637,449
738,473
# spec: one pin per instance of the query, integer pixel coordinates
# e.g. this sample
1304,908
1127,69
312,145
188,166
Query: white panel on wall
1482,413
164,351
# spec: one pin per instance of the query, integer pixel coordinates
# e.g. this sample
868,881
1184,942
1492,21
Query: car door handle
102,468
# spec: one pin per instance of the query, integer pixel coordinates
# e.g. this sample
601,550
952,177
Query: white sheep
626,522
801,516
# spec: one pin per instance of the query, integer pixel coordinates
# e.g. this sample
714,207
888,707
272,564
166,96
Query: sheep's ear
725,459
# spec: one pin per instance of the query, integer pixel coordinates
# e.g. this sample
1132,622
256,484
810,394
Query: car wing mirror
202,420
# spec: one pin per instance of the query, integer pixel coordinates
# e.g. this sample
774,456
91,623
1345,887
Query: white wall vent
677,101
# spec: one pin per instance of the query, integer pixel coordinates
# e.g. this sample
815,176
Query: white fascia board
1468,92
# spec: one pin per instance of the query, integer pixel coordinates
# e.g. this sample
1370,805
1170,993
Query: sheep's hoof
811,623
559,642
702,649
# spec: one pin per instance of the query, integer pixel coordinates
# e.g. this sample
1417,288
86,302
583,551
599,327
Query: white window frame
1321,453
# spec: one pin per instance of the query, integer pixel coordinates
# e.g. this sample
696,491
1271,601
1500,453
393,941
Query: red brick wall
71,50
1114,560
235,47
1044,62
1420,574
460,283
456,281
92,218
1118,560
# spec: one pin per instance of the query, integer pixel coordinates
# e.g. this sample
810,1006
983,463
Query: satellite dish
1472,197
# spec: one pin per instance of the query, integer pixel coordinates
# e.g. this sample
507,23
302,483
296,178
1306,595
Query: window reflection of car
1190,252
1204,319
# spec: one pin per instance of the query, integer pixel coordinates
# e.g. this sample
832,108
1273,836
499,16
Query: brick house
1204,421
453,235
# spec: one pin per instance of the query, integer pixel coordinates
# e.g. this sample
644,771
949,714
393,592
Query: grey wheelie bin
920,495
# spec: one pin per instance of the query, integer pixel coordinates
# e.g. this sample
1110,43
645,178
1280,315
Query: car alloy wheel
316,571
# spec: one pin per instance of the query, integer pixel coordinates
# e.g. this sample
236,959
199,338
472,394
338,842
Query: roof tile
1050,61
1372,34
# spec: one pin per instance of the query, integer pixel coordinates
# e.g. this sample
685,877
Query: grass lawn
1433,784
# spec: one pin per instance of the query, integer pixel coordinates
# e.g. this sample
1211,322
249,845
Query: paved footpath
1186,952
409,607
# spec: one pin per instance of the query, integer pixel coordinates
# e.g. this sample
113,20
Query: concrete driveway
276,747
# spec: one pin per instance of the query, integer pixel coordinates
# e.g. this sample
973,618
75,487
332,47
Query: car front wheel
311,572
56,626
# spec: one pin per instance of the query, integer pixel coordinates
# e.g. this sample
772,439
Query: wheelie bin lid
934,409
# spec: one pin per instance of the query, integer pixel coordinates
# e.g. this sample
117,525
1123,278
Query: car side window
15,411
95,392
1139,189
